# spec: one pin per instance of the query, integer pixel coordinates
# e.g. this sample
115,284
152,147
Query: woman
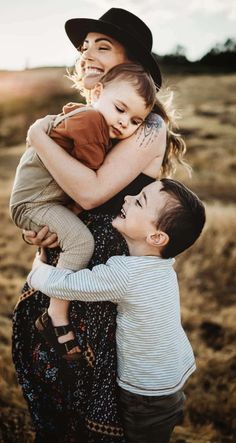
71,402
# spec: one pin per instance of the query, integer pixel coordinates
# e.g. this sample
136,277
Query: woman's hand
42,124
44,238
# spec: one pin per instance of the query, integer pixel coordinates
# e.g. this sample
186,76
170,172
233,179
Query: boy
121,101
154,355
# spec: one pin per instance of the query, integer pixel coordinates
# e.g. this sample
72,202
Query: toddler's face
123,109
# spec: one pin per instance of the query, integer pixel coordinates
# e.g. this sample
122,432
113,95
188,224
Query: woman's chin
89,81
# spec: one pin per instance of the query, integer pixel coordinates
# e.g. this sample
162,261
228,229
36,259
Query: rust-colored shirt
84,135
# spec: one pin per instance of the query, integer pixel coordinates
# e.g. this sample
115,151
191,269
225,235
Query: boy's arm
103,283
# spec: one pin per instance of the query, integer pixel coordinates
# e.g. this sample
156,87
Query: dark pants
149,419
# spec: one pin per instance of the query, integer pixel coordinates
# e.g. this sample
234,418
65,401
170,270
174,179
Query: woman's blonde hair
175,145
76,76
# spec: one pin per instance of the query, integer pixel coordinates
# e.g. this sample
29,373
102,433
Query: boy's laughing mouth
122,213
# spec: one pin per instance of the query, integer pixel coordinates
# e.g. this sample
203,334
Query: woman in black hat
71,402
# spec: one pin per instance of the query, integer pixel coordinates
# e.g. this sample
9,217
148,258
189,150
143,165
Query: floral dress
76,401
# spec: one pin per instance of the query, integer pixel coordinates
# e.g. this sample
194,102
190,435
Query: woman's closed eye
137,202
100,48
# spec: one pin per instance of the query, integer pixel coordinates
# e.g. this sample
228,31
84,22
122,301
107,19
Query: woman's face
99,53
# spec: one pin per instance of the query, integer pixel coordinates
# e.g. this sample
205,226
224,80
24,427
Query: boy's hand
40,258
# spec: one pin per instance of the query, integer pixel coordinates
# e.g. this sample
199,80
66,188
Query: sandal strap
58,330
62,330
50,333
67,346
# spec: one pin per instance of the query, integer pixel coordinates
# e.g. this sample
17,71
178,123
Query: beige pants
75,239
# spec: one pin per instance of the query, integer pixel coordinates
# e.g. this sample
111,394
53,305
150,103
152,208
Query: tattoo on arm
149,130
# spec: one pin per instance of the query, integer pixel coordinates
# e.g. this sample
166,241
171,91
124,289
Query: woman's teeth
93,71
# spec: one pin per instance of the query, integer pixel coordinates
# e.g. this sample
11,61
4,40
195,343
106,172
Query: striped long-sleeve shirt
153,351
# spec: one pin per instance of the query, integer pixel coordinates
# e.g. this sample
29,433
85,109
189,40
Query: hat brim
78,28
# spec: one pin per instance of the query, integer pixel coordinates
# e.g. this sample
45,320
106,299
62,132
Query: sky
32,32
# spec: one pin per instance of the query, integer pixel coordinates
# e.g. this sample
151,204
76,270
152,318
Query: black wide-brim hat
124,27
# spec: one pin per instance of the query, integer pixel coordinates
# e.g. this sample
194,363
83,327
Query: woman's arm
125,162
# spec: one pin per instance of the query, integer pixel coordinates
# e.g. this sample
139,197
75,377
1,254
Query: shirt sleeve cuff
38,276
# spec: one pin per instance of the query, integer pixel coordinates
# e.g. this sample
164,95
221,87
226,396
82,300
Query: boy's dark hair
136,75
182,218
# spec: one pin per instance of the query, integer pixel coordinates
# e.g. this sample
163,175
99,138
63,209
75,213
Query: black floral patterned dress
75,401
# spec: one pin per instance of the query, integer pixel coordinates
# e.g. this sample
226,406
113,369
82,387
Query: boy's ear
96,92
158,239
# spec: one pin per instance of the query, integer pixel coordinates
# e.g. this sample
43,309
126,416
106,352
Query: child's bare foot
60,335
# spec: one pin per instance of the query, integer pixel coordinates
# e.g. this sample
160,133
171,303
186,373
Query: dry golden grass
15,261
27,95
31,83
206,271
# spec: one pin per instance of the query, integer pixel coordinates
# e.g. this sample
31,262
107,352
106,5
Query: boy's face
139,214
123,109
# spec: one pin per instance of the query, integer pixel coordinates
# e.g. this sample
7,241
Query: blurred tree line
50,91
220,59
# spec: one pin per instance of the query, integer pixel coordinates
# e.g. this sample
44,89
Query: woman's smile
99,54
90,70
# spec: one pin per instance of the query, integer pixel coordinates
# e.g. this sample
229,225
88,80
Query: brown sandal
51,333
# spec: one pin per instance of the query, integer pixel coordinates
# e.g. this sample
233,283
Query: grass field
206,272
